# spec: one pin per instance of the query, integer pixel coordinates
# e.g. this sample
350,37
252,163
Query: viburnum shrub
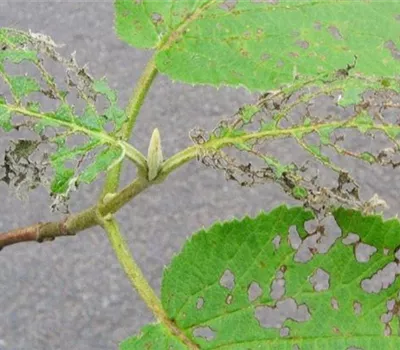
321,275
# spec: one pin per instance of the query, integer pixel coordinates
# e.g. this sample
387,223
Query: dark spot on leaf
265,57
227,280
391,46
317,26
254,291
397,17
334,304
156,18
244,52
357,308
303,44
336,330
335,33
204,332
280,64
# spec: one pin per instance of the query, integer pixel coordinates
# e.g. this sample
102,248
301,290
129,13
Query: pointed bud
154,155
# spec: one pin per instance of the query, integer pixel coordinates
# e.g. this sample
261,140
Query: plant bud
154,155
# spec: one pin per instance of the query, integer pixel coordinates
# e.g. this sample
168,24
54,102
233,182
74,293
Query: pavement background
71,293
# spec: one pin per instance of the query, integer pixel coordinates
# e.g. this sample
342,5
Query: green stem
138,96
132,111
137,278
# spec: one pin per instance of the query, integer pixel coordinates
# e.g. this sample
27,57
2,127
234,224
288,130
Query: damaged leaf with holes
291,113
97,121
264,44
284,280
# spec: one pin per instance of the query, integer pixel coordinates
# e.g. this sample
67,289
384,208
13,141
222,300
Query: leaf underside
279,281
57,123
262,44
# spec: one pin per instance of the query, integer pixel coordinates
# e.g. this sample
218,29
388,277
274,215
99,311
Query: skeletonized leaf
96,120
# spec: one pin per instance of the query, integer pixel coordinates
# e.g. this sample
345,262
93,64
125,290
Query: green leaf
23,85
299,192
63,177
260,44
364,122
248,111
368,157
152,337
105,159
224,278
325,134
5,119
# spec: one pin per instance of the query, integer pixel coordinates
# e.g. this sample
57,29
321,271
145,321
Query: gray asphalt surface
71,293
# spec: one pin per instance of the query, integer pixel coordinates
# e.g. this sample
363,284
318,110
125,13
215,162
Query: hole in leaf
387,317
274,317
335,33
280,64
393,49
204,332
228,5
294,238
357,307
330,232
156,18
227,280
303,44
278,286
317,25
391,304
351,238
320,280
284,332
254,291
307,248
363,252
383,279
311,226
199,303
265,57
295,347
334,304
276,242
